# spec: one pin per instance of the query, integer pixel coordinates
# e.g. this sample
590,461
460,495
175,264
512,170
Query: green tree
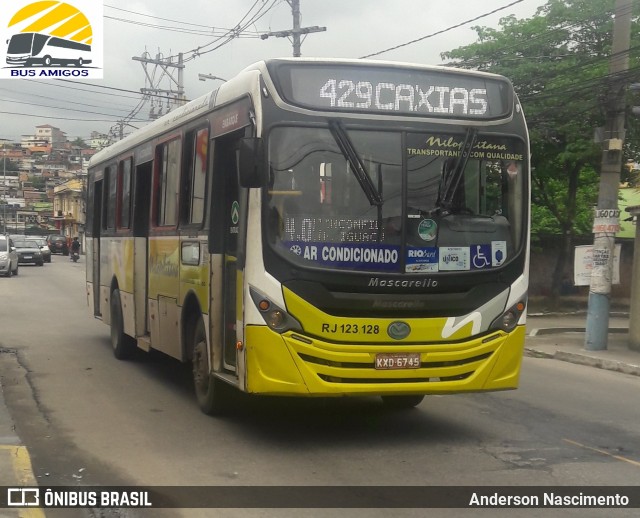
79,142
558,62
9,167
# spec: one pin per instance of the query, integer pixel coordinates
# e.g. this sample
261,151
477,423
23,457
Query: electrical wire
442,31
164,19
59,108
39,115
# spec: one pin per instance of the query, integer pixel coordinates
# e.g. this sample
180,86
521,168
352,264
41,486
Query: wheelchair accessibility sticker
480,256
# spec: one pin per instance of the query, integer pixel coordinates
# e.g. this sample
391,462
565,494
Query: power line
60,108
442,31
75,100
195,32
231,34
165,19
39,115
107,88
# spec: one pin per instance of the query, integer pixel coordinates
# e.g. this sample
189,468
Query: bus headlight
509,319
274,316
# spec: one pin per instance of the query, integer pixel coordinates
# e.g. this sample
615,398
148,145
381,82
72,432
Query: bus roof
246,82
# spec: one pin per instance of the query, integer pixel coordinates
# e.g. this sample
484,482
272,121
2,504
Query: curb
557,330
585,359
618,314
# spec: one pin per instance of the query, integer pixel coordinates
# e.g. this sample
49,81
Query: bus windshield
20,44
320,214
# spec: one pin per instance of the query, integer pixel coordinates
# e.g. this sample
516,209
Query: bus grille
333,379
424,375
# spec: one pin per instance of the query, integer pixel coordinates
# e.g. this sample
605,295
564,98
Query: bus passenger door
97,226
232,285
226,278
141,217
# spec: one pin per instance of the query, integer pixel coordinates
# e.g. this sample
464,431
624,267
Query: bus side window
166,187
192,195
124,193
109,219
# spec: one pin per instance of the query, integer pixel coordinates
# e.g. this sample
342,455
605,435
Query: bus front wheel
211,393
401,402
123,345
47,61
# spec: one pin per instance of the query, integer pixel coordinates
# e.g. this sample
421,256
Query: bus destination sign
391,90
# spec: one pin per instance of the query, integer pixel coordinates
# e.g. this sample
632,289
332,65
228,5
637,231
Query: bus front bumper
294,364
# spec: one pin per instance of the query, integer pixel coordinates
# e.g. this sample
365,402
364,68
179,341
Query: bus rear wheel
123,345
401,402
211,393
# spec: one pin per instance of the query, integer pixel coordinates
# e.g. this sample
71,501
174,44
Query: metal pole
4,186
295,10
606,219
203,77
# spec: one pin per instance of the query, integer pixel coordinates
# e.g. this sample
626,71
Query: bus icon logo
23,497
52,39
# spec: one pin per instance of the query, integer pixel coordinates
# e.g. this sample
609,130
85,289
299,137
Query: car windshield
320,213
26,244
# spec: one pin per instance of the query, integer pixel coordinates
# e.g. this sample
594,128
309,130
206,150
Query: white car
8,257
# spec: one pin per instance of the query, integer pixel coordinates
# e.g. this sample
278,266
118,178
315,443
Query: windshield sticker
498,252
428,229
454,258
348,255
447,146
422,260
481,256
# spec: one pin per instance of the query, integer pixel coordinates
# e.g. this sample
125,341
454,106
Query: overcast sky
355,28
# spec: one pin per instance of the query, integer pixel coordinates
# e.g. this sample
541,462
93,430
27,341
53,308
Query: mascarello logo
51,39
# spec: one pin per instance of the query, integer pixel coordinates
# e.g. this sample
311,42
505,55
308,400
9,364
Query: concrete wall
544,254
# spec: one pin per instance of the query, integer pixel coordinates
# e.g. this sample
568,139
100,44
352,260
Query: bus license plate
397,361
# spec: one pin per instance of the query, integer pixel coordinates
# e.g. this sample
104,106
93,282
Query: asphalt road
88,419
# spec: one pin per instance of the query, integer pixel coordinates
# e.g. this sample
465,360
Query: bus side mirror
251,162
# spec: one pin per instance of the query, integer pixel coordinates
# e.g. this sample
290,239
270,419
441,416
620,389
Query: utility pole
606,218
4,186
165,64
296,31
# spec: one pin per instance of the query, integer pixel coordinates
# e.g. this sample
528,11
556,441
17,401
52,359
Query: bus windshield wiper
355,162
451,182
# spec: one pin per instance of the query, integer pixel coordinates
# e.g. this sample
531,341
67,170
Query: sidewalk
562,337
15,464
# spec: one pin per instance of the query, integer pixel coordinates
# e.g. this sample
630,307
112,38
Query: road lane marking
603,452
23,471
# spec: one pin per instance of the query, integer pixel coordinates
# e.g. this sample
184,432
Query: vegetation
79,142
558,61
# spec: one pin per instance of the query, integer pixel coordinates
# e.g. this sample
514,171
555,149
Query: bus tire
211,393
401,402
122,344
79,62
47,61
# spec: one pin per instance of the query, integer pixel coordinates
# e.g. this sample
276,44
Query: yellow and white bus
321,227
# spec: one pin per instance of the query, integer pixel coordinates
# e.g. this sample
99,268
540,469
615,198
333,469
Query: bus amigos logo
51,38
